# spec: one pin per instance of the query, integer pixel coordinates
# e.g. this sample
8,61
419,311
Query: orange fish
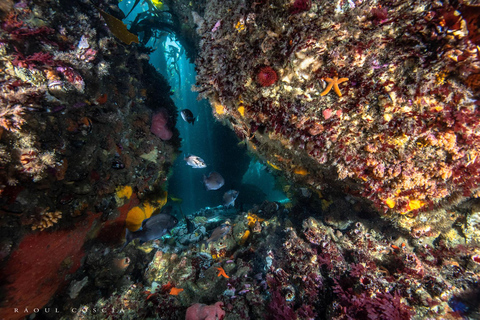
222,273
175,291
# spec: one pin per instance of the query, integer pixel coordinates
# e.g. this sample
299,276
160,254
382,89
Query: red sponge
200,311
160,126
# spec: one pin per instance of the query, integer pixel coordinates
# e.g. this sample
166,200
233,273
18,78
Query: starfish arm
329,87
222,273
337,90
335,86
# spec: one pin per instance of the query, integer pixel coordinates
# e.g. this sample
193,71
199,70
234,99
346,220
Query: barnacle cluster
400,127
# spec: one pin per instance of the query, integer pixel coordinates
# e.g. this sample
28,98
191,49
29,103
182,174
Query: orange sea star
175,291
222,273
333,83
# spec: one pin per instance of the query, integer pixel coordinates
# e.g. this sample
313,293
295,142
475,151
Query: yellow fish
273,166
301,171
176,199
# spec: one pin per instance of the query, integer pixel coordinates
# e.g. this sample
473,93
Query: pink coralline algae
160,125
200,311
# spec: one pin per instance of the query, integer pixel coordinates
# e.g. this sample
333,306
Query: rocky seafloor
315,260
367,108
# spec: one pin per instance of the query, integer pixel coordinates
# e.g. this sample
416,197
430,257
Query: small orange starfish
333,83
222,273
175,291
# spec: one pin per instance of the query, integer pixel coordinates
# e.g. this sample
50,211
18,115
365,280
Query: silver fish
214,181
195,162
152,228
229,198
220,232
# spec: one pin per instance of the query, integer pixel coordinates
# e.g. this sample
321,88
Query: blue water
208,139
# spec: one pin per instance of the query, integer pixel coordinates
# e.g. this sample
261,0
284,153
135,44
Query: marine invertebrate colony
266,76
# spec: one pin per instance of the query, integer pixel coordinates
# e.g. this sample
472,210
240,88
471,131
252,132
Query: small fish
273,166
152,228
214,181
195,162
229,198
190,225
219,232
187,115
222,273
176,199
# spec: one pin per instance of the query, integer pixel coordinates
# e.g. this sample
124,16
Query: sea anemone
266,76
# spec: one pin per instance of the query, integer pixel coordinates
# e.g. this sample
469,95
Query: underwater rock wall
369,97
76,108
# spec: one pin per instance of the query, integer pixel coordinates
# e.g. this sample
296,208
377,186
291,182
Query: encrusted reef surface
375,98
76,110
278,263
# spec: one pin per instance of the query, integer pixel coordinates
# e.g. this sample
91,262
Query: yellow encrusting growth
244,238
219,109
241,110
390,203
414,205
252,219
139,213
124,192
134,218
240,26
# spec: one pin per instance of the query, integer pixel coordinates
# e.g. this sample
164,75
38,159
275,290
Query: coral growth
47,220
